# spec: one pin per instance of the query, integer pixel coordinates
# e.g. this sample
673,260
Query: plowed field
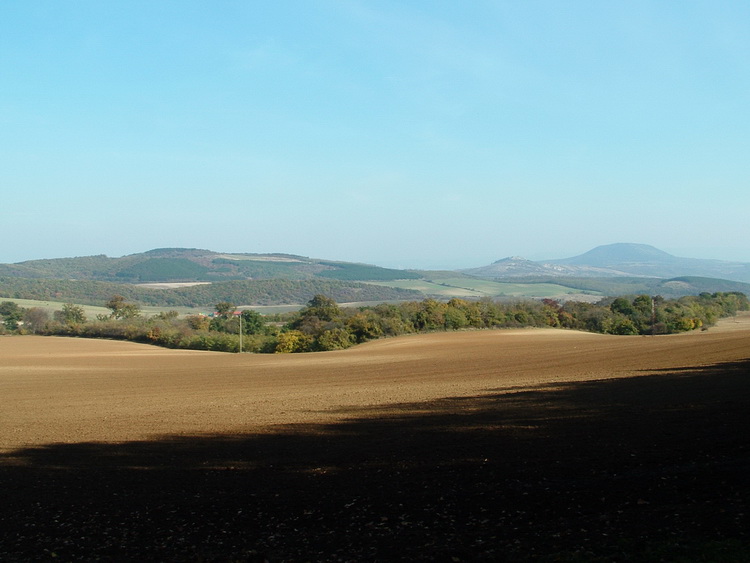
489,445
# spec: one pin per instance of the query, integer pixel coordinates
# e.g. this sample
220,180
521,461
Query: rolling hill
200,278
166,265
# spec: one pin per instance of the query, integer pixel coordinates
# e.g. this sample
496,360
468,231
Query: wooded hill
252,279
194,265
276,279
247,292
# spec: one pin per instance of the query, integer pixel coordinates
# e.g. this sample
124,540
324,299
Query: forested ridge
245,292
195,265
285,279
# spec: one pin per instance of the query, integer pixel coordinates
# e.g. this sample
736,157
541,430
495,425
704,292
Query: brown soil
491,445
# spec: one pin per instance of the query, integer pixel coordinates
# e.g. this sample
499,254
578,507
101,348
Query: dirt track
422,447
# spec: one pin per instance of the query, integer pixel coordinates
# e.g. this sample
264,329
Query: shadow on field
647,468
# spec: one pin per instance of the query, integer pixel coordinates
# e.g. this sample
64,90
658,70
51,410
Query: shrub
293,341
334,339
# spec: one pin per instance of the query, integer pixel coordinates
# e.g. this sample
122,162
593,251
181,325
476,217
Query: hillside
273,279
244,279
633,285
240,292
195,265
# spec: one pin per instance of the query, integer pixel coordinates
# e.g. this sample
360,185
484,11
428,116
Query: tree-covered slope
267,278
240,292
194,265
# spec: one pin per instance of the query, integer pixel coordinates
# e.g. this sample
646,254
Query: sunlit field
473,445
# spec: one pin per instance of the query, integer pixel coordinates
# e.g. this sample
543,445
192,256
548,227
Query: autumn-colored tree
293,341
35,319
198,322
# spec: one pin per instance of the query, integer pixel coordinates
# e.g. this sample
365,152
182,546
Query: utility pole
240,333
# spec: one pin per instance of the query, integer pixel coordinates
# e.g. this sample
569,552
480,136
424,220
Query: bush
293,341
335,339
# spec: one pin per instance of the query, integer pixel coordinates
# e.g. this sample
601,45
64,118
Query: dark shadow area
650,468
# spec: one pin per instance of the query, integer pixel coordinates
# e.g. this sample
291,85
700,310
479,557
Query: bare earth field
508,445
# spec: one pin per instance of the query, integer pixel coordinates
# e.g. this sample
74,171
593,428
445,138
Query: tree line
324,325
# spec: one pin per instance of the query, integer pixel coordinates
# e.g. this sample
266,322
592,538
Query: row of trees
14,318
323,325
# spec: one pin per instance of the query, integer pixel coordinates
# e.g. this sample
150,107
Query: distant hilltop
616,260
182,265
193,277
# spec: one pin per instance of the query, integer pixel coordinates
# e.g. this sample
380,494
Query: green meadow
440,287
92,311
464,287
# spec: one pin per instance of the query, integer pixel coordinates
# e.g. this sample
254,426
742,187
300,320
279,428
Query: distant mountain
517,267
617,260
260,279
173,265
266,279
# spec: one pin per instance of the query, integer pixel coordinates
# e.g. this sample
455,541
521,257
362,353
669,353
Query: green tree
253,322
620,324
460,313
12,314
455,318
225,308
431,315
167,315
8,308
71,315
320,314
364,325
643,304
622,305
490,312
390,318
121,309
322,307
223,320
334,339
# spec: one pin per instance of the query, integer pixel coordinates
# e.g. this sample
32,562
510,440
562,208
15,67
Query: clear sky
433,134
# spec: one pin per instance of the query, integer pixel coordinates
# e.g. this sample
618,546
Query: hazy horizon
434,135
386,264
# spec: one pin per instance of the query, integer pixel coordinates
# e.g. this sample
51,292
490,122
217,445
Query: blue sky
429,134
